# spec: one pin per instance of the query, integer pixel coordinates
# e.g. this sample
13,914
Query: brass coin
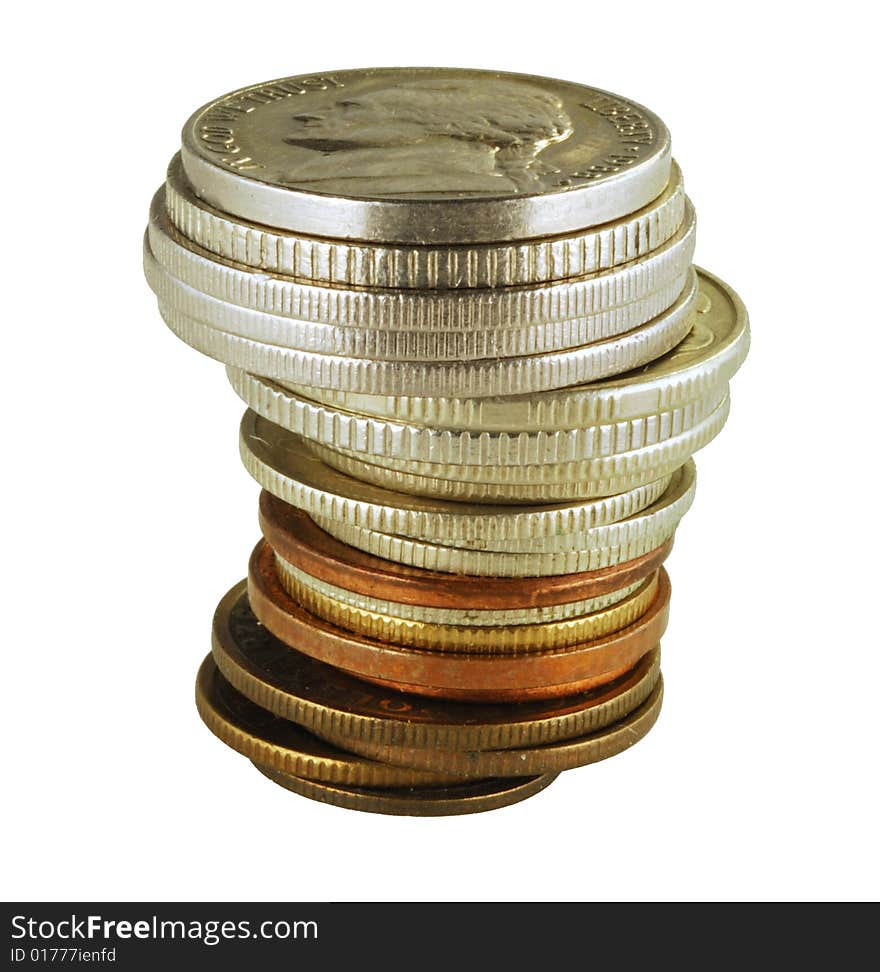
472,797
286,747
326,700
494,639
550,758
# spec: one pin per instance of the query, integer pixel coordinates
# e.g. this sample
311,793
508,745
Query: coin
426,801
495,639
466,676
705,360
284,746
548,758
324,699
502,494
298,539
402,310
484,377
288,574
362,264
286,465
425,155
411,474
380,438
598,547
184,303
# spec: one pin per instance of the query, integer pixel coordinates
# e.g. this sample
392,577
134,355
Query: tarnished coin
286,747
425,155
598,547
363,264
549,758
474,796
287,466
292,577
322,698
705,360
299,540
495,639
484,677
381,438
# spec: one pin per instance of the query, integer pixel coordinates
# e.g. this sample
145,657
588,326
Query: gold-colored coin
468,797
467,617
286,747
550,758
483,639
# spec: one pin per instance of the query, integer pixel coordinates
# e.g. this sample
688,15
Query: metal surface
549,758
292,576
324,699
601,546
475,796
466,676
301,542
490,639
379,438
288,467
284,746
376,265
426,155
705,360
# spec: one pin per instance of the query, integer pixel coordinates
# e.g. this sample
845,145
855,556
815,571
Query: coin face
426,155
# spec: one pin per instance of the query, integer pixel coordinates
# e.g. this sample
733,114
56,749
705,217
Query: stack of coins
477,359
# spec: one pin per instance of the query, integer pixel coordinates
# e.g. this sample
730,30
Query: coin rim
458,220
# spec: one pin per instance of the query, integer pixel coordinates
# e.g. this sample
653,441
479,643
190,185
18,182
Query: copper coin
471,797
305,545
545,671
285,746
550,758
327,701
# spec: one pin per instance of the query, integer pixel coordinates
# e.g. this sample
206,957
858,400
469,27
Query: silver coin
604,546
380,438
404,346
707,358
670,452
289,468
401,310
425,155
489,377
362,264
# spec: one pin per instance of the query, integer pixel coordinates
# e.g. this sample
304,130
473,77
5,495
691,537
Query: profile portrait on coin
431,136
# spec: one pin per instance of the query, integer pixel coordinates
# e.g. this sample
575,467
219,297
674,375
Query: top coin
426,155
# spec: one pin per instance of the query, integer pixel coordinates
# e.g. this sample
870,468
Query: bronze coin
287,747
327,701
549,758
482,677
305,545
471,797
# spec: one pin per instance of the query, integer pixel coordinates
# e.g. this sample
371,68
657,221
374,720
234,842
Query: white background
127,513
